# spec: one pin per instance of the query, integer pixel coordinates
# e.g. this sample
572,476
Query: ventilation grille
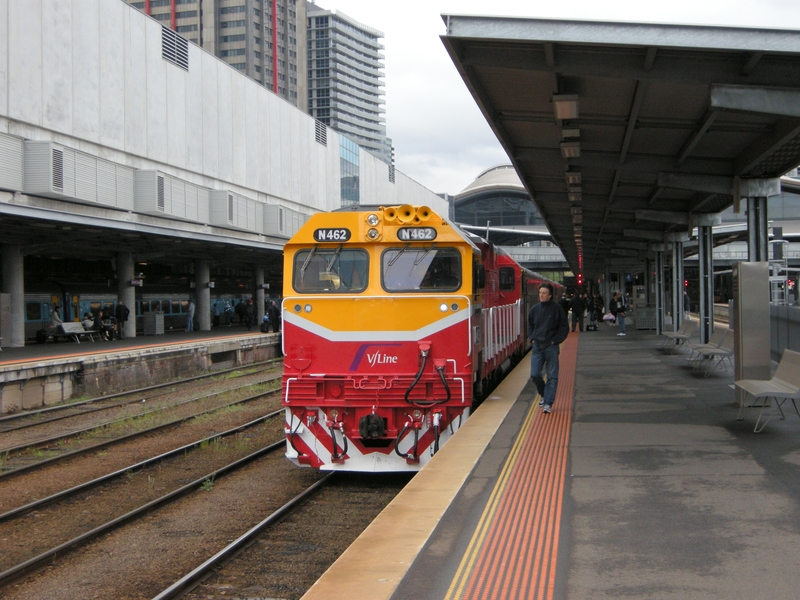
391,173
160,194
230,208
174,48
321,132
58,170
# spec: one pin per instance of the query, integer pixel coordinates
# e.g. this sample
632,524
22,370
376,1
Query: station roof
627,135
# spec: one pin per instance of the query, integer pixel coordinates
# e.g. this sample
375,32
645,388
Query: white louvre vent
391,173
160,201
174,48
321,132
56,171
10,162
282,222
166,196
229,209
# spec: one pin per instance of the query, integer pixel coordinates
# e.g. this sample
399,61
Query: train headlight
443,307
373,234
307,308
372,220
297,308
454,307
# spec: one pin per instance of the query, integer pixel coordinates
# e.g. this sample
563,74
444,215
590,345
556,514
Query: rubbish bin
154,323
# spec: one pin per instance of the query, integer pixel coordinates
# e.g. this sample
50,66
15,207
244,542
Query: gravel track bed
142,558
163,398
26,487
45,528
289,558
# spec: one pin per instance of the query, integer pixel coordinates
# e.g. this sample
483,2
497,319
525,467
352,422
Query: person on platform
619,306
55,319
547,328
249,315
122,314
274,317
87,322
190,316
578,308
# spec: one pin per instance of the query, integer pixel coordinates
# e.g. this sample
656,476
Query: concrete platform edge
373,566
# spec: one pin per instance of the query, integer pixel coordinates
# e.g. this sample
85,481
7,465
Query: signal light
685,283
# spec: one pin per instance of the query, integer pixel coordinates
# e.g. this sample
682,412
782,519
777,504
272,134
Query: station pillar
659,291
259,283
126,293
757,230
201,280
677,285
705,257
14,286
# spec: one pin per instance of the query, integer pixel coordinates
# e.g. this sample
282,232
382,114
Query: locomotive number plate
332,235
414,234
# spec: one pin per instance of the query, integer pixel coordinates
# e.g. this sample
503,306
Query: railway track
42,416
34,563
32,455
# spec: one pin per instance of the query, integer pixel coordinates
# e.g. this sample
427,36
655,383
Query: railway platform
41,374
640,484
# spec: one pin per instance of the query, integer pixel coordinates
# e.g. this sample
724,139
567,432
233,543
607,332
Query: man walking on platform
547,328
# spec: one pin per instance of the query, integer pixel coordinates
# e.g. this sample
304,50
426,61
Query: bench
74,331
714,357
697,350
785,385
684,334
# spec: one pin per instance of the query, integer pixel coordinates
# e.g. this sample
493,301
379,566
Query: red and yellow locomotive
395,322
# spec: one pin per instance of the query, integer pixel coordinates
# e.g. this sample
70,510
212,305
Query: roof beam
636,105
697,183
771,101
662,216
644,234
752,161
710,117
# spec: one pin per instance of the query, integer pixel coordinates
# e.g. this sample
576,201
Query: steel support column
705,256
201,279
757,230
259,276
14,285
659,292
677,285
126,292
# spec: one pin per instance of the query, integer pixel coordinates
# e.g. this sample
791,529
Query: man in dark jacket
578,307
547,328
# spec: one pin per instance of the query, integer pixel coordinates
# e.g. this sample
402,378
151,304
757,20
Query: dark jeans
547,358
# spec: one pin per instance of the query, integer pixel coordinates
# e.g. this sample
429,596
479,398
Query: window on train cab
94,308
330,270
421,269
507,279
33,311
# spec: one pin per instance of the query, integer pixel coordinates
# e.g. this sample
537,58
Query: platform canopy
627,135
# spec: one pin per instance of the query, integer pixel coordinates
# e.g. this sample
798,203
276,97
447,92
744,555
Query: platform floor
641,484
63,349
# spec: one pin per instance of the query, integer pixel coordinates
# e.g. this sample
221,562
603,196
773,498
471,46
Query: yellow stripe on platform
513,551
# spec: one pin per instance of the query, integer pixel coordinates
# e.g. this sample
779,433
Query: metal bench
715,357
75,332
697,351
684,334
785,385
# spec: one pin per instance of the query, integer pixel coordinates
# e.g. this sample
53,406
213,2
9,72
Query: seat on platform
73,331
697,350
684,333
714,357
785,385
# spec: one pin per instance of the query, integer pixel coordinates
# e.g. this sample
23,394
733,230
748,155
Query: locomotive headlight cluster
373,220
373,234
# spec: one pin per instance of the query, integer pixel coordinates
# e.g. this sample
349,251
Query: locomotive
396,323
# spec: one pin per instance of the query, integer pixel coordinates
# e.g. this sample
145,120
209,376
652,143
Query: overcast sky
441,139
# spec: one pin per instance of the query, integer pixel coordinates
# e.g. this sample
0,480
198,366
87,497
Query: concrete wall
90,74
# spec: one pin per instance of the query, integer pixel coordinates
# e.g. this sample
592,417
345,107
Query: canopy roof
629,134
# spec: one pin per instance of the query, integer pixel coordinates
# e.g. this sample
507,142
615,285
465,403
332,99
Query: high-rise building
265,39
345,79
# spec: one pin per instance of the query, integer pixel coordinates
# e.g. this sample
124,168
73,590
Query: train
396,324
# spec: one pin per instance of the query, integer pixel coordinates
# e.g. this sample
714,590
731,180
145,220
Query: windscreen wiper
333,260
305,264
424,254
403,249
